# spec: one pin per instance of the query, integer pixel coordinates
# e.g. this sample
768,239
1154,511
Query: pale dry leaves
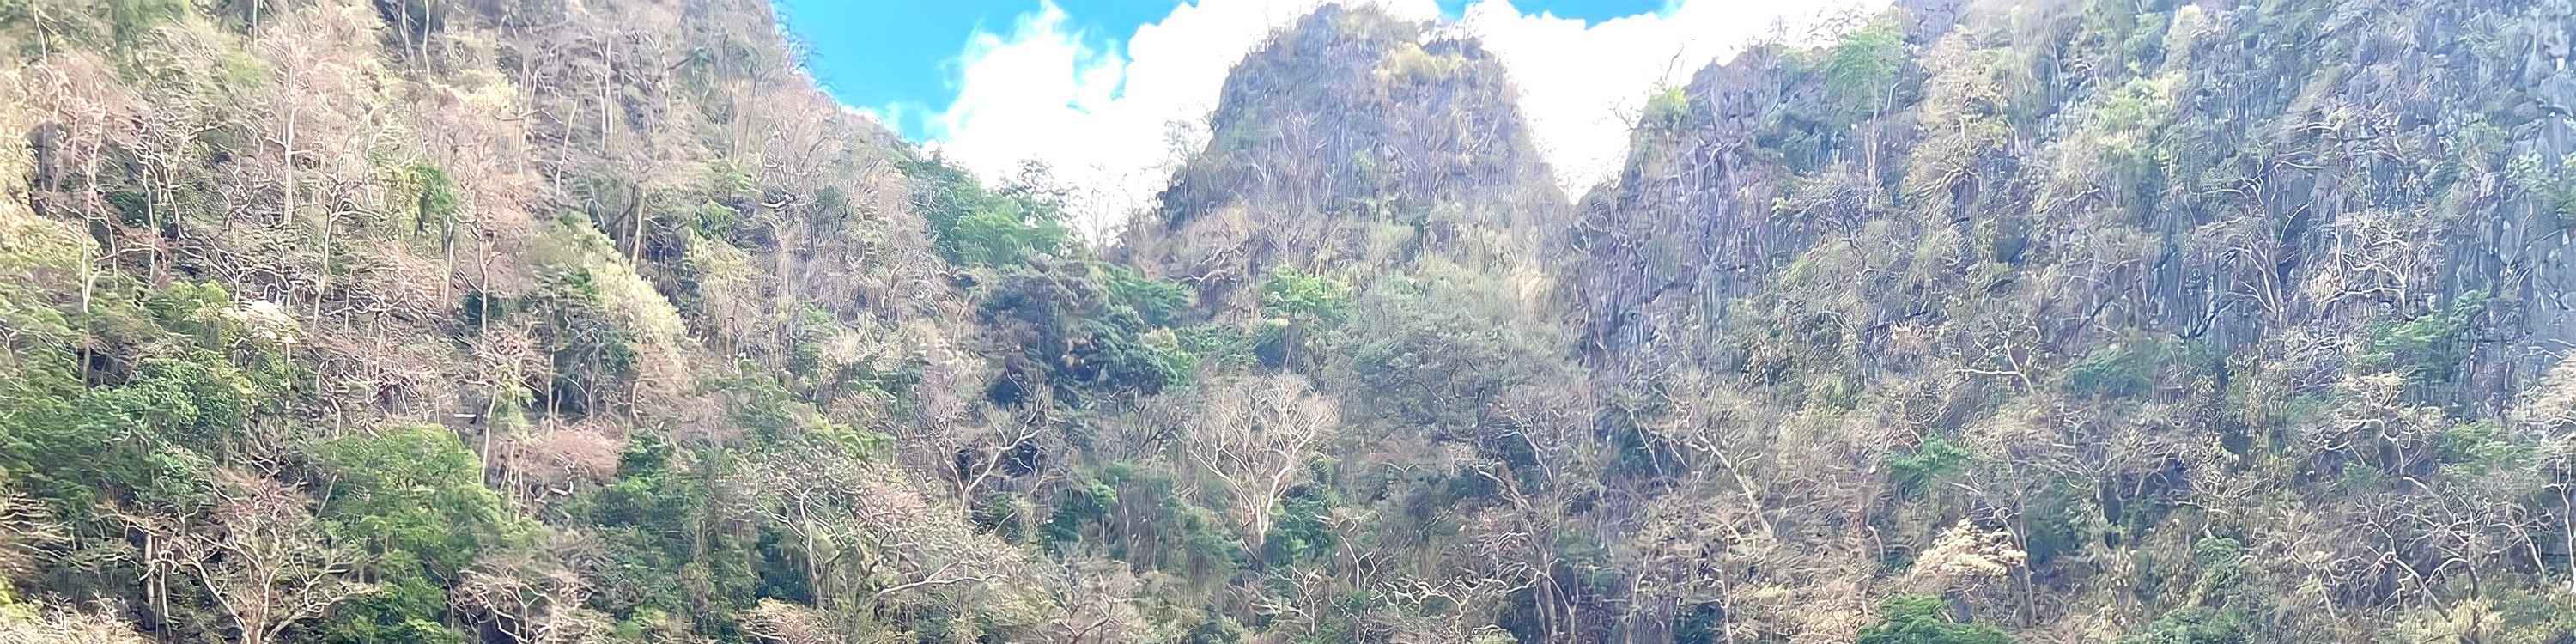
1964,554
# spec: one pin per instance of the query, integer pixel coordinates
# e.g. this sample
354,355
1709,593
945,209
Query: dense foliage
466,321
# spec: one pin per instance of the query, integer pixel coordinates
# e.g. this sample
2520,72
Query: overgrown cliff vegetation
492,321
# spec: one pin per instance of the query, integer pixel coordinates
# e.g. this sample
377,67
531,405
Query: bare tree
1253,438
259,554
53,625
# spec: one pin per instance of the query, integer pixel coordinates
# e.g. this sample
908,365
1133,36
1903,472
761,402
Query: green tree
978,227
1301,306
137,442
1860,71
414,490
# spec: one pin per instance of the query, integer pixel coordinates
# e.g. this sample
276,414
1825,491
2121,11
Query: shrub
1935,459
1667,111
2551,186
437,201
2124,369
1303,531
2194,625
2426,349
1297,295
1158,302
1919,620
2477,448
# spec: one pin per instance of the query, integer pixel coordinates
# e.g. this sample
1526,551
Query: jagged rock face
1691,214
2520,244
2214,172
2240,257
1354,137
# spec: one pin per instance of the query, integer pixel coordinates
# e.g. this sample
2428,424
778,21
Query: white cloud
1582,87
1102,118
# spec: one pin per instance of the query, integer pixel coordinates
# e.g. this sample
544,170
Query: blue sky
878,53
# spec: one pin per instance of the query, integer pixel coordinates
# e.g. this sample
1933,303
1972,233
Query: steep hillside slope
2200,321
451,321
1384,370
508,322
